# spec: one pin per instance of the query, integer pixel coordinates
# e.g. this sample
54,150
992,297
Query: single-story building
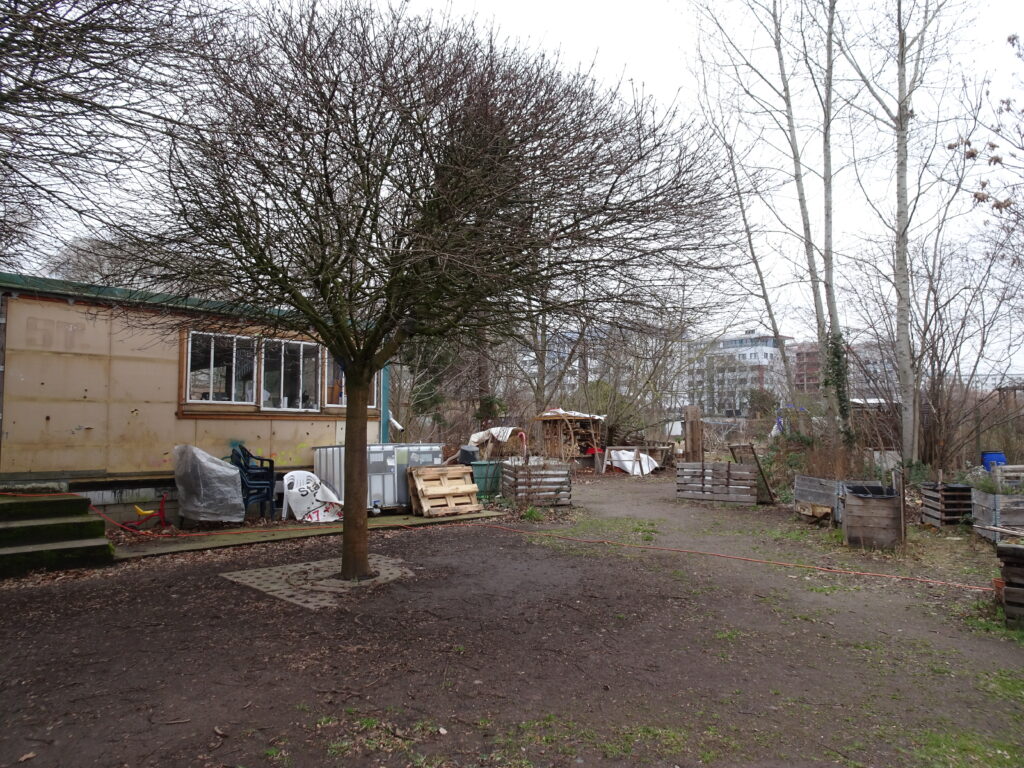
96,393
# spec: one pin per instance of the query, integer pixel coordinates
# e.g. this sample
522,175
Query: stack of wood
1012,558
567,435
945,503
537,482
717,481
439,491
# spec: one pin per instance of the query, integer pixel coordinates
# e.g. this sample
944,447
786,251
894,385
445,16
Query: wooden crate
1008,474
541,483
817,492
996,509
874,521
945,503
439,491
1012,558
717,481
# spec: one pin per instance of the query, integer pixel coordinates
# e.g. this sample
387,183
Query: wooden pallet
945,504
745,453
546,484
717,481
441,491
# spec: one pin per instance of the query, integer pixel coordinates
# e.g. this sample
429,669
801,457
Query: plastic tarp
629,463
501,434
310,499
569,414
208,488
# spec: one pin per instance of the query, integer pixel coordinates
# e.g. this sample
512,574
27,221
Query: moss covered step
14,533
32,507
55,555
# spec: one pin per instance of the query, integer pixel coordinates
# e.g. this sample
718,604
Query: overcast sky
651,41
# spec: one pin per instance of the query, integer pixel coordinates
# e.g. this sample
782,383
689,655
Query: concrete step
55,555
32,507
15,533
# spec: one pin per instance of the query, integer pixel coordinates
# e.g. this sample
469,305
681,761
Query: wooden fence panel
717,481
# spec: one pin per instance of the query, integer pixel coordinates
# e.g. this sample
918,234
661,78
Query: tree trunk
801,195
901,269
355,554
837,370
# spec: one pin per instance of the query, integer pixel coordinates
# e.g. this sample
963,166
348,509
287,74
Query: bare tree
78,80
764,85
368,177
893,55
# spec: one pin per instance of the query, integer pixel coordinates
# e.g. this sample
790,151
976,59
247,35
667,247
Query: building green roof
48,286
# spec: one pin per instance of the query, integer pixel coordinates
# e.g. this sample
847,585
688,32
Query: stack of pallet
537,482
945,503
717,481
1012,558
439,491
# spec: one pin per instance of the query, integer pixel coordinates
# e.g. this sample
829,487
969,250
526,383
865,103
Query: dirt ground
515,650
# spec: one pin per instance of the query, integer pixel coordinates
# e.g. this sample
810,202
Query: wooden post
694,434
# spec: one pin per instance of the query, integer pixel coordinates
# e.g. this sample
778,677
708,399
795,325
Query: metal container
387,478
414,455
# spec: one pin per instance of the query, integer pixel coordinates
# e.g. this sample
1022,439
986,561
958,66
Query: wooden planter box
996,509
872,517
542,483
717,481
1012,558
945,503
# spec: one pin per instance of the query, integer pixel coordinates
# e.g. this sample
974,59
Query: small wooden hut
568,435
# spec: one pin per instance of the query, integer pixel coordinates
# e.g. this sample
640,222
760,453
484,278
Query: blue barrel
992,458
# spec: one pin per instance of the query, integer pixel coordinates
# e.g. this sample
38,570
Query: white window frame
375,388
317,408
234,352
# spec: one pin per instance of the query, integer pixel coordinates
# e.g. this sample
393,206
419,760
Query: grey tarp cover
208,488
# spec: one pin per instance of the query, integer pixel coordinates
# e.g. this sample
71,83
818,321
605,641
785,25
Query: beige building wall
89,393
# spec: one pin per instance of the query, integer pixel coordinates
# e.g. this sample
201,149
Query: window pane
223,362
291,378
310,376
245,369
199,368
272,374
335,382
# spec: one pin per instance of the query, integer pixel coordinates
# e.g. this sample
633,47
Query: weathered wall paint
86,394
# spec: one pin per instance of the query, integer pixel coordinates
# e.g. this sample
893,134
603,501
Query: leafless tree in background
769,78
370,177
897,53
79,80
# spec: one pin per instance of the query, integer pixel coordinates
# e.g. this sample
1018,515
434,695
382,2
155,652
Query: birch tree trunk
836,346
901,271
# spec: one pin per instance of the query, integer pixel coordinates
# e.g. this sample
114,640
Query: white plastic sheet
628,462
310,499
